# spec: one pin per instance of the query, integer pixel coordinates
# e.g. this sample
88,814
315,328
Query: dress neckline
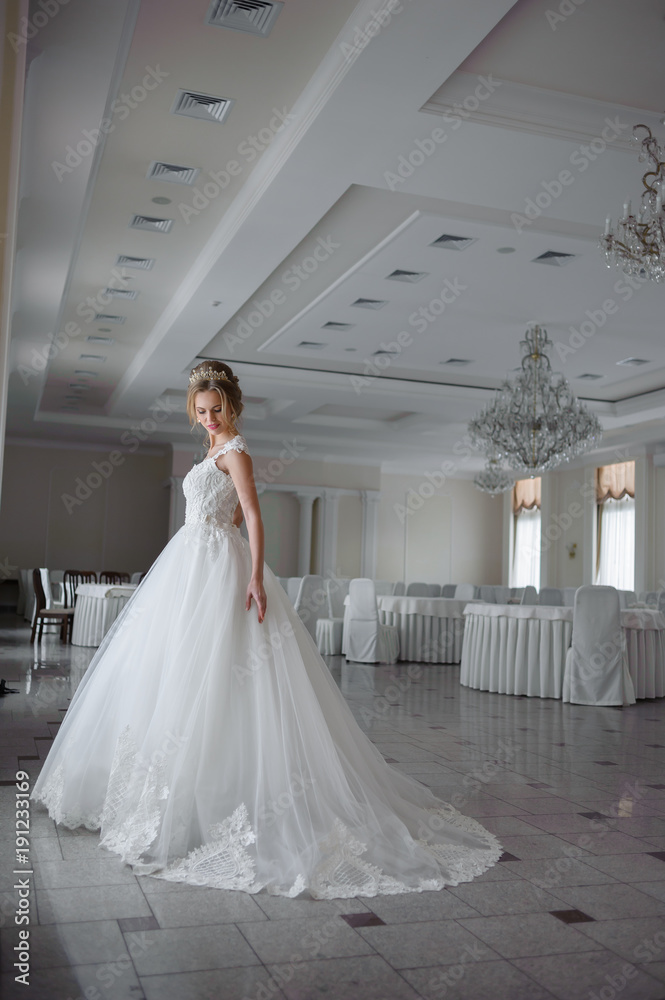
215,454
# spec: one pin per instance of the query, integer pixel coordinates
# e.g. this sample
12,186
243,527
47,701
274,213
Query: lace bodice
210,494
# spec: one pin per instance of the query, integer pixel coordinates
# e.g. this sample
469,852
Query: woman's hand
256,592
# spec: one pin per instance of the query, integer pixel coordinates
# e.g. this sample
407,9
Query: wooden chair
108,576
48,616
72,579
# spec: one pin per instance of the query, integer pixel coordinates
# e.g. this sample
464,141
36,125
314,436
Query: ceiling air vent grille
633,362
448,242
255,16
170,172
554,257
400,275
337,326
150,224
141,263
311,345
370,303
108,318
202,106
588,377
456,362
121,293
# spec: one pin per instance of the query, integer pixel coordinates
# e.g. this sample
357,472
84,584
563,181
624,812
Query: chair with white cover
384,588
311,602
417,590
649,597
465,592
399,589
330,630
368,641
530,595
448,589
434,590
596,671
551,596
488,594
502,595
626,598
292,588
569,597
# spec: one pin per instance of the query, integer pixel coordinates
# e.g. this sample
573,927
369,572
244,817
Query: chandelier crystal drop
638,244
494,479
535,422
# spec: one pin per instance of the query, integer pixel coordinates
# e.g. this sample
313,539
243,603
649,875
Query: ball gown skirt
210,749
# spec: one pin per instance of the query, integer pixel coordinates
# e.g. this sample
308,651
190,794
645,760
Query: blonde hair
215,376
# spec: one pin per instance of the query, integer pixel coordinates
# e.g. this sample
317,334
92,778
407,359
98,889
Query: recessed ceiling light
254,16
161,200
457,362
205,107
312,345
141,263
151,224
447,242
337,326
588,377
554,257
370,303
633,361
400,275
505,249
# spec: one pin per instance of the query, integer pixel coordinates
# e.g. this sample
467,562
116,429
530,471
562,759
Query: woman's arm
237,518
239,466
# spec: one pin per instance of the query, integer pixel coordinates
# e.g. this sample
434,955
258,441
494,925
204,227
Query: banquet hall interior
466,195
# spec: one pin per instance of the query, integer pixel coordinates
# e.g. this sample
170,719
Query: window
525,560
615,525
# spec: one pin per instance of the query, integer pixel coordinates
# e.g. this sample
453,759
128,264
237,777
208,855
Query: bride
207,740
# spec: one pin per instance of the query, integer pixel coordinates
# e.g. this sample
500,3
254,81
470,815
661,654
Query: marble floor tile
541,934
187,949
428,943
108,902
590,975
506,898
249,982
606,902
302,940
498,980
204,906
369,978
637,939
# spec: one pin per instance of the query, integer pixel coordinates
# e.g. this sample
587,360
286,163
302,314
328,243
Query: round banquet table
97,606
431,629
522,650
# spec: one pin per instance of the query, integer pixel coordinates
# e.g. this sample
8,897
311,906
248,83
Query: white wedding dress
208,748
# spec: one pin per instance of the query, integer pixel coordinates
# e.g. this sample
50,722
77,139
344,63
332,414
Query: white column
328,537
306,501
370,501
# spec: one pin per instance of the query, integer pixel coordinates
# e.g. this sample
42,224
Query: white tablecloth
522,650
97,606
431,629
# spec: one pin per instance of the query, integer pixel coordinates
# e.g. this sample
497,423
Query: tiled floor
574,910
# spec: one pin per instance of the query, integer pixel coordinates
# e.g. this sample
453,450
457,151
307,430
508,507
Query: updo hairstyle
217,377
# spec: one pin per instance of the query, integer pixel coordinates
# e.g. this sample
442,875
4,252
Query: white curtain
525,564
616,550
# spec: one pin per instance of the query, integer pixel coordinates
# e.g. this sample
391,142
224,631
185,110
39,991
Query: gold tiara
208,373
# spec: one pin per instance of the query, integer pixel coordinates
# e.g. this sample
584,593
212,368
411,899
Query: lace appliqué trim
223,862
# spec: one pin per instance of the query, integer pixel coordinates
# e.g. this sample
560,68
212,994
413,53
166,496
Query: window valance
526,494
613,482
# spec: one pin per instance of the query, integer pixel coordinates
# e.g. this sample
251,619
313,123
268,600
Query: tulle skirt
210,749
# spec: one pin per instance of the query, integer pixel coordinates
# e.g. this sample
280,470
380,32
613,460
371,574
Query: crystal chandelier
638,245
494,479
535,422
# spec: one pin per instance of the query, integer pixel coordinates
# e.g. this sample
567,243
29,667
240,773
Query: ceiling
355,138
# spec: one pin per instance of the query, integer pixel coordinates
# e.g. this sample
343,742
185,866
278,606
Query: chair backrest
596,624
465,592
292,588
417,590
626,597
336,590
661,600
38,586
311,602
383,588
569,596
434,590
362,601
488,594
46,586
448,589
111,576
502,595
551,596
399,589
530,595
